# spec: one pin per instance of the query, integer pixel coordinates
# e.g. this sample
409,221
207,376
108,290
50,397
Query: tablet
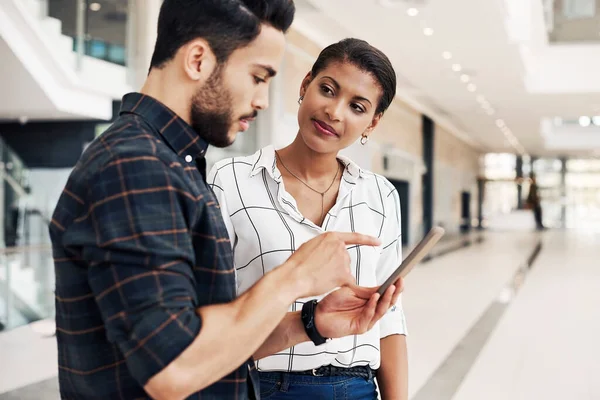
414,257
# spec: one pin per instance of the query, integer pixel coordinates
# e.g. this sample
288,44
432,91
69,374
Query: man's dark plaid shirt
139,245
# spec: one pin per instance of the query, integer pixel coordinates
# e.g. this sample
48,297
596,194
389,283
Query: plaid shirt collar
178,134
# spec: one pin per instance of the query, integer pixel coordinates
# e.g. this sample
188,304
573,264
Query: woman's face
338,107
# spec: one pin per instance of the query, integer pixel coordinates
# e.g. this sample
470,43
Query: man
534,202
145,285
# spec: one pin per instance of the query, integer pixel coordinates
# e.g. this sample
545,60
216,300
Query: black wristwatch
308,319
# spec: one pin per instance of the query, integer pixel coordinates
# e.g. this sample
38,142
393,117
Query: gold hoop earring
300,100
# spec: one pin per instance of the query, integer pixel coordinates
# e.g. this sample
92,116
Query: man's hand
347,311
323,263
353,310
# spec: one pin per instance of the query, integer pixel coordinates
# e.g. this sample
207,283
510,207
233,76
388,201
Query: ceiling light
500,123
465,78
427,31
95,6
412,12
481,98
585,121
490,111
456,67
446,55
596,120
471,87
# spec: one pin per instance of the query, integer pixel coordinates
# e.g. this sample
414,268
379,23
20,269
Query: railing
99,28
26,285
102,50
26,267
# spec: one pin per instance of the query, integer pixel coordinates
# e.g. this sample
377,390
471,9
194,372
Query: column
480,199
563,192
519,170
141,35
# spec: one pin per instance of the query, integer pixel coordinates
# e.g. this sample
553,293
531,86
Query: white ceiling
500,44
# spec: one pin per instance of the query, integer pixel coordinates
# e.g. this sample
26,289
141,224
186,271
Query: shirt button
188,158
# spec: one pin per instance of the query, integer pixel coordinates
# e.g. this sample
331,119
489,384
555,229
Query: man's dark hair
365,57
226,25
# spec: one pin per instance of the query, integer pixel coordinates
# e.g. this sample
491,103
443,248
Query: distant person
535,204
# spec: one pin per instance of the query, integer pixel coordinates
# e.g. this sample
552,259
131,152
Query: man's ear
198,60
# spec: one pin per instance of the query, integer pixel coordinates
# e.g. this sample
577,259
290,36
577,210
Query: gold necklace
308,186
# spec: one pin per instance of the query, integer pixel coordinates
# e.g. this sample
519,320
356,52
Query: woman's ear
374,123
305,82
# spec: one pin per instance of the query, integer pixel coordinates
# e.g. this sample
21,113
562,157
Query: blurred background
494,135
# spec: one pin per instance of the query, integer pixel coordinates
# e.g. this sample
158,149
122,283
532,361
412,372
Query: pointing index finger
358,238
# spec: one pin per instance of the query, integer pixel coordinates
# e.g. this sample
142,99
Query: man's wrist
296,332
293,281
288,286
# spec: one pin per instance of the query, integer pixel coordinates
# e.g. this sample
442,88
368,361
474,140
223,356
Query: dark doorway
465,205
403,188
428,160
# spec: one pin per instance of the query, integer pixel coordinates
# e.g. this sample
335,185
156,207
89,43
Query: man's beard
211,114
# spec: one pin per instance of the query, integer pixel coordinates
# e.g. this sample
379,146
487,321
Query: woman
275,200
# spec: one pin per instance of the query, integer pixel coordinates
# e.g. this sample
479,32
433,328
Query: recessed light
456,67
471,87
95,6
490,111
465,78
585,121
480,98
446,55
500,123
427,31
412,12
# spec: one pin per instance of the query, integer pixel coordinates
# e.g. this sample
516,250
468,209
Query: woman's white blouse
266,227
